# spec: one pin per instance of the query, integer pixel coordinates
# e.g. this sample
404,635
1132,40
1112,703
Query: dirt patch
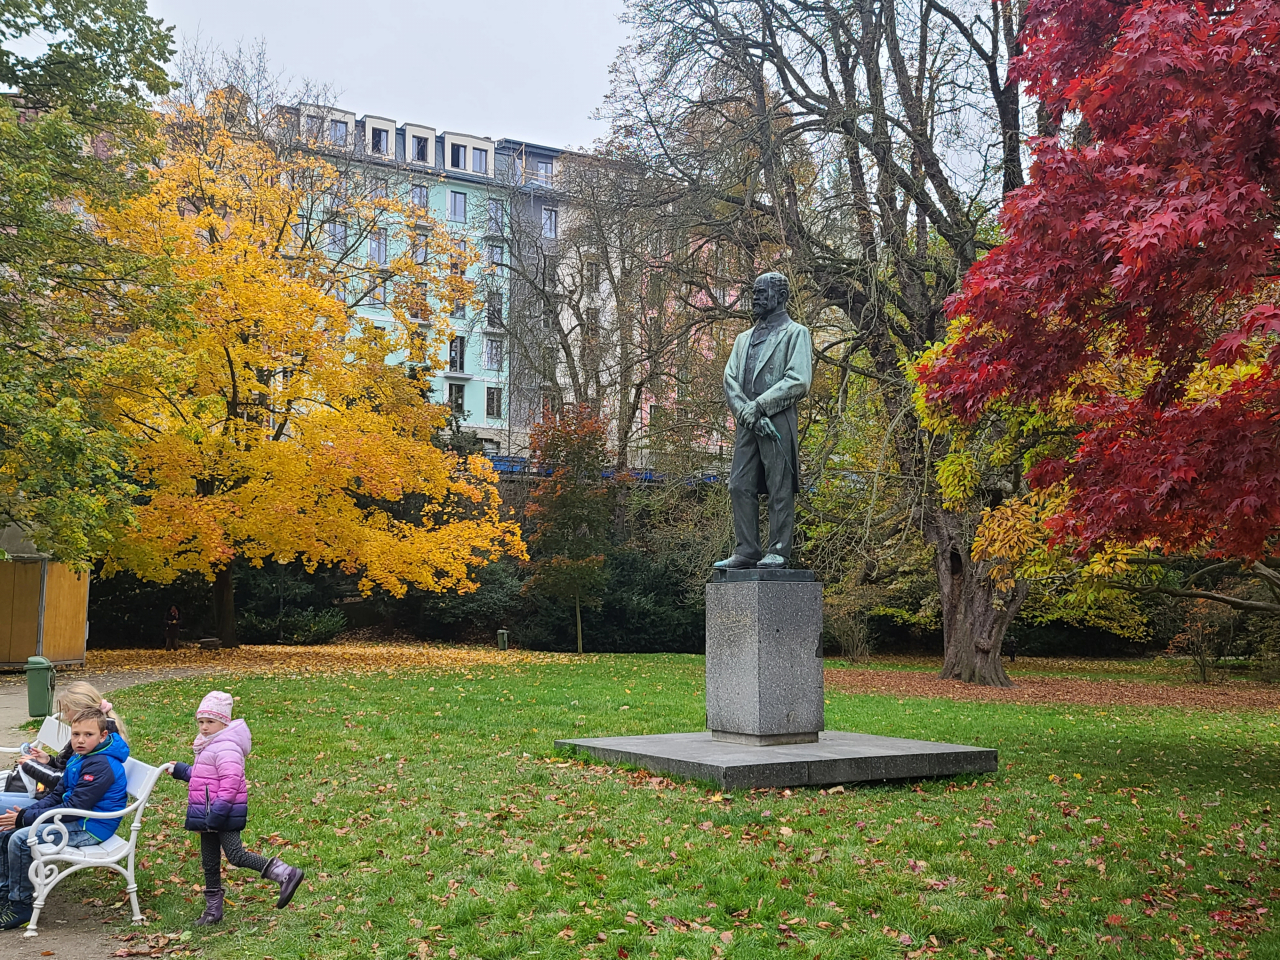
1224,697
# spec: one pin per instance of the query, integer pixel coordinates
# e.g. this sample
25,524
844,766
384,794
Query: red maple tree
1147,243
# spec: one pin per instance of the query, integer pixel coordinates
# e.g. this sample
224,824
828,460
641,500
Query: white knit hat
216,706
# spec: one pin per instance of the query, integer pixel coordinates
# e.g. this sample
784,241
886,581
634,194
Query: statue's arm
796,378
733,392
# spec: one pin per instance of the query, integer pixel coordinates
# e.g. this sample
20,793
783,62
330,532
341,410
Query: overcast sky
528,69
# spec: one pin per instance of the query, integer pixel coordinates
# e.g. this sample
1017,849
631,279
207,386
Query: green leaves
62,470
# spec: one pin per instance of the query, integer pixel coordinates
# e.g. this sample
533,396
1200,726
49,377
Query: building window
422,150
479,160
458,355
420,195
459,311
493,354
548,316
315,128
493,402
591,275
420,247
457,156
493,310
457,206
378,246
379,293
550,406
378,189
591,318
455,265
378,140
458,398
495,216
495,254
337,238
338,133
544,171
492,448
550,222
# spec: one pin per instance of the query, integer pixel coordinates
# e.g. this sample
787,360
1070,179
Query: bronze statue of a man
769,371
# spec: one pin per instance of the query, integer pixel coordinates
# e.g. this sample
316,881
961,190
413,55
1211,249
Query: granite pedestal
764,657
765,707
835,758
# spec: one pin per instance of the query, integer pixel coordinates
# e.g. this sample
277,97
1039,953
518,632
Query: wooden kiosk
44,606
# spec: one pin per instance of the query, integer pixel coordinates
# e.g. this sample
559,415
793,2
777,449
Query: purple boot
212,908
288,877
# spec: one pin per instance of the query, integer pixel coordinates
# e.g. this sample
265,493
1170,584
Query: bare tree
600,313
860,146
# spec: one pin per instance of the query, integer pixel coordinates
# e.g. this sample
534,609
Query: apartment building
450,176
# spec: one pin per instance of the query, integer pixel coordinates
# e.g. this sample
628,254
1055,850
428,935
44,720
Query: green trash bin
40,680
502,639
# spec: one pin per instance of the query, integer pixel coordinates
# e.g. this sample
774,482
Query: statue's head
769,294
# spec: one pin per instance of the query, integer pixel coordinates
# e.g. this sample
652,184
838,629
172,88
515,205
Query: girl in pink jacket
218,805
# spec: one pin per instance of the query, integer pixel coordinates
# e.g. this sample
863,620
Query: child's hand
37,755
9,820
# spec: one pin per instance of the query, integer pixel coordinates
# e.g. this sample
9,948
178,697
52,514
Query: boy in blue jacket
94,780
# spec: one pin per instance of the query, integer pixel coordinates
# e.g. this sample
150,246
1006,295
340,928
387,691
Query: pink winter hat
215,706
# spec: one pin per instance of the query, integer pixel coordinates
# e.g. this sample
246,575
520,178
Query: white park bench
52,862
54,734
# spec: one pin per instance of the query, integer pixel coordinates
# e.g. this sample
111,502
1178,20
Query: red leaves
1261,321
1155,241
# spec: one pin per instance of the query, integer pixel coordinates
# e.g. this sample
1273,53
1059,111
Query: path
69,930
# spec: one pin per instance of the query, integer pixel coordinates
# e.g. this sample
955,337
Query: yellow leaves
343,659
267,422
958,477
1014,535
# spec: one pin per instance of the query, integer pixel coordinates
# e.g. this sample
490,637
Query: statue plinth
764,657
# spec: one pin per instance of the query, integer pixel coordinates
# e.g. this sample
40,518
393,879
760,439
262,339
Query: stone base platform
836,758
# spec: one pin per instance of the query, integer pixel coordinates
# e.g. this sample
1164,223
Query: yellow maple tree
271,422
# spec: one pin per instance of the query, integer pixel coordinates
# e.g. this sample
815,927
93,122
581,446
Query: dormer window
479,160
422,152
379,140
338,133
457,156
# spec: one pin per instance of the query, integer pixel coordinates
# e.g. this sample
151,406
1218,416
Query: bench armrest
54,817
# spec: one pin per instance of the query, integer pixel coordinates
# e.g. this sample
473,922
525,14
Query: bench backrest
140,778
53,733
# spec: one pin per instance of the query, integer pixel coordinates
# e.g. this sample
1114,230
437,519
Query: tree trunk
975,614
577,609
224,607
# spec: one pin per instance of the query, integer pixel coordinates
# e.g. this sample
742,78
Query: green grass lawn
435,820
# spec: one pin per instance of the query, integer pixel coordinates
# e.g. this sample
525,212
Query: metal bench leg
31,930
42,894
133,898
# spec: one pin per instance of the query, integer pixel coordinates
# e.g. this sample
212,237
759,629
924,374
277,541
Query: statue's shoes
772,561
734,562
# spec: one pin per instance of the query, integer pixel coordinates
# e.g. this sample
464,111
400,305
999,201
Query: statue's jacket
783,375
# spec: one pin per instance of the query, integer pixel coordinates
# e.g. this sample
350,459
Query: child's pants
15,858
211,847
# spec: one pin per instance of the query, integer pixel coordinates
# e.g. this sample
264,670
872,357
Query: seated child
94,780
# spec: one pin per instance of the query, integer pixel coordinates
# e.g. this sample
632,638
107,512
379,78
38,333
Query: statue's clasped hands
760,425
